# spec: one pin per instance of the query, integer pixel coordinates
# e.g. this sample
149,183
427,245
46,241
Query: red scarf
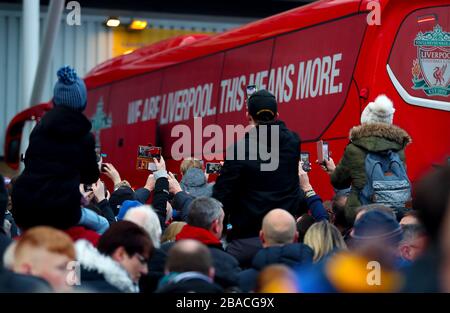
197,233
79,232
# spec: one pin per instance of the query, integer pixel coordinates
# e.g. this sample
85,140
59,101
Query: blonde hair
45,237
323,237
172,231
189,163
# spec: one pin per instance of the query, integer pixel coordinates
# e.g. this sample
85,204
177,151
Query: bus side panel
121,142
314,68
189,90
428,127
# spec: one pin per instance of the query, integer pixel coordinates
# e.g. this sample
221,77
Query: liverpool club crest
100,120
430,70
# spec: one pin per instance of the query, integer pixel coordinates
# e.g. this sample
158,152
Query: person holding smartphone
375,136
246,191
61,155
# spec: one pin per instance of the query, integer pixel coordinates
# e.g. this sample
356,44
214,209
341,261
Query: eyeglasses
141,259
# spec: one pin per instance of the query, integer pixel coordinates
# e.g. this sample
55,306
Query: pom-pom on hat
379,111
70,90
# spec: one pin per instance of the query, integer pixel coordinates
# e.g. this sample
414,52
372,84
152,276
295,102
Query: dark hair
133,238
431,196
412,231
303,225
3,200
189,256
340,220
203,211
412,213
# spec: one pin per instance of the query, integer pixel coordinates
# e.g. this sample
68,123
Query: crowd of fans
62,230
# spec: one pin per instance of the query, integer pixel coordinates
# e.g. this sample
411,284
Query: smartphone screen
304,157
213,168
145,157
326,154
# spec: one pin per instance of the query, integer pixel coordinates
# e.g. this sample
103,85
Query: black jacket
149,283
160,198
60,156
11,282
191,285
226,266
181,203
291,255
247,192
99,272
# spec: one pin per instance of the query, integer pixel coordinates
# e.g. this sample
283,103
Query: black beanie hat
262,106
119,196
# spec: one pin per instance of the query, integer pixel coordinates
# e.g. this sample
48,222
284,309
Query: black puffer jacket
291,255
248,192
60,156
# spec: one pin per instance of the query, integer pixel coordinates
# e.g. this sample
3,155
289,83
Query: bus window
419,63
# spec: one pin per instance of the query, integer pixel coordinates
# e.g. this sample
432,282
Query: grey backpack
387,181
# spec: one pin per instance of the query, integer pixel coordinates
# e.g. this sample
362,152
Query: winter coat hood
379,137
194,182
292,255
92,260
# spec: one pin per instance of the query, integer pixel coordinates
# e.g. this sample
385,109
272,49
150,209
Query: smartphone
304,157
326,154
322,152
251,89
213,168
145,157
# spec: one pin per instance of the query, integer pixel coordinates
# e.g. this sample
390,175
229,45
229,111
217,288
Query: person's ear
215,226
25,268
405,252
119,254
211,272
261,237
296,235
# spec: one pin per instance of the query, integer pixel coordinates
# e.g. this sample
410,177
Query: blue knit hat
377,225
126,205
70,90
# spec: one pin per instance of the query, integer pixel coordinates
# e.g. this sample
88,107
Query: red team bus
324,62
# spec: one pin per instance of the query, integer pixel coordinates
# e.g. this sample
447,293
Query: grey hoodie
194,182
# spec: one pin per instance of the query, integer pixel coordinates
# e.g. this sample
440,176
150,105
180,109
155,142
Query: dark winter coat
291,255
374,137
226,266
191,283
60,156
248,193
149,283
100,273
11,282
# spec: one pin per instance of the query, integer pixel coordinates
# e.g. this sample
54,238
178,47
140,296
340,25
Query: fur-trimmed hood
92,260
379,137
